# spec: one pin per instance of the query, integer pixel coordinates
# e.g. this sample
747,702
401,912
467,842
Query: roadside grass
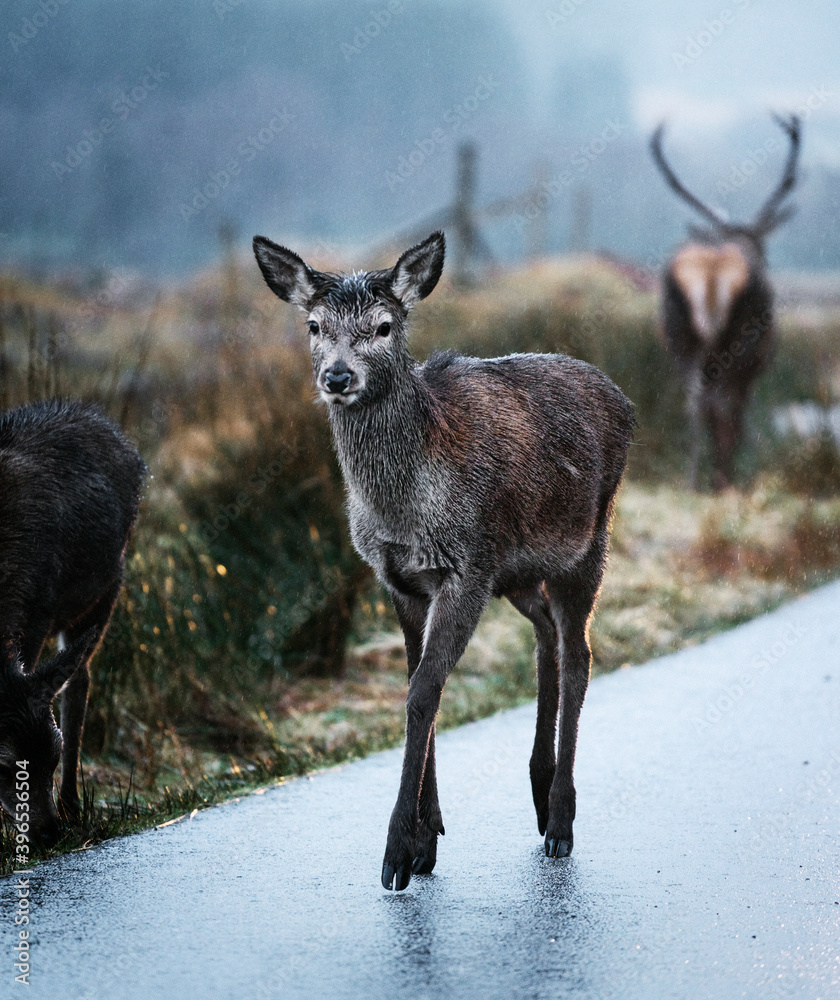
251,645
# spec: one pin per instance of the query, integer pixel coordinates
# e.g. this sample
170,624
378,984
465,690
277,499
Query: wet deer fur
69,490
466,479
717,312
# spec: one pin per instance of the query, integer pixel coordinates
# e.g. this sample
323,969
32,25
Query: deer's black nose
338,379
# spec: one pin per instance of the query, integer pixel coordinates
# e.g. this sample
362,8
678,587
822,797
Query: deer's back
717,305
534,447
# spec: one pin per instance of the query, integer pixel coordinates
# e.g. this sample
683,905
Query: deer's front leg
412,612
74,699
73,705
452,618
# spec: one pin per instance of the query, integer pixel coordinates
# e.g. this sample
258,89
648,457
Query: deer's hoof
542,774
398,879
557,848
426,848
423,865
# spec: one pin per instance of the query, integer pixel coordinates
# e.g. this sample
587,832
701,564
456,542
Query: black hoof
397,880
423,866
558,848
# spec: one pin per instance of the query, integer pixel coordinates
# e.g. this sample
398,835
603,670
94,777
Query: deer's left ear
285,273
416,273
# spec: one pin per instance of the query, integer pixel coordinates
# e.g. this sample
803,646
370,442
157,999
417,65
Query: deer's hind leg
726,420
695,406
534,605
572,599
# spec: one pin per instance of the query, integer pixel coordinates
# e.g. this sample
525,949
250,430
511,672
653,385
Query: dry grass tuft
769,536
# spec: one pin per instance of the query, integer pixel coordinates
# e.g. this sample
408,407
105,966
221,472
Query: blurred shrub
812,467
805,542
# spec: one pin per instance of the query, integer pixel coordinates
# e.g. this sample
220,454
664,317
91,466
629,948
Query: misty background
132,132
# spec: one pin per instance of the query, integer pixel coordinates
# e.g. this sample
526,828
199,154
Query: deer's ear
416,273
285,273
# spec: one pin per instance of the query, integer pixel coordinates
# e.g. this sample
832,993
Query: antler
773,214
671,178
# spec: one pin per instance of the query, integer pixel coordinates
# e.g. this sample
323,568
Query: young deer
69,491
467,479
717,311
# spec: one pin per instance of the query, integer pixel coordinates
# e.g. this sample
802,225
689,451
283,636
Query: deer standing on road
69,490
717,311
467,479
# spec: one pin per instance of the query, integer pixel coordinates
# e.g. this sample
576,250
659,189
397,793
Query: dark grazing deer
466,478
717,311
69,491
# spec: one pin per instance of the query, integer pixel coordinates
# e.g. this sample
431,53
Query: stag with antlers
717,311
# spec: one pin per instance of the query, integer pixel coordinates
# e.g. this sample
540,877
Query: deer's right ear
285,273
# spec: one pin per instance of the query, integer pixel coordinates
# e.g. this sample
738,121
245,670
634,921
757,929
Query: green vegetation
251,643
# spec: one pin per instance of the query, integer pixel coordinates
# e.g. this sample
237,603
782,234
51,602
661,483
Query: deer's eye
314,328
383,329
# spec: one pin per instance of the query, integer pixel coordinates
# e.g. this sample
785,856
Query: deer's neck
380,444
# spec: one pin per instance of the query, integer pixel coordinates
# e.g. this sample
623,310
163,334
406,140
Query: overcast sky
702,63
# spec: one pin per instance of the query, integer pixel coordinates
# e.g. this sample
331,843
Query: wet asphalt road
706,864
